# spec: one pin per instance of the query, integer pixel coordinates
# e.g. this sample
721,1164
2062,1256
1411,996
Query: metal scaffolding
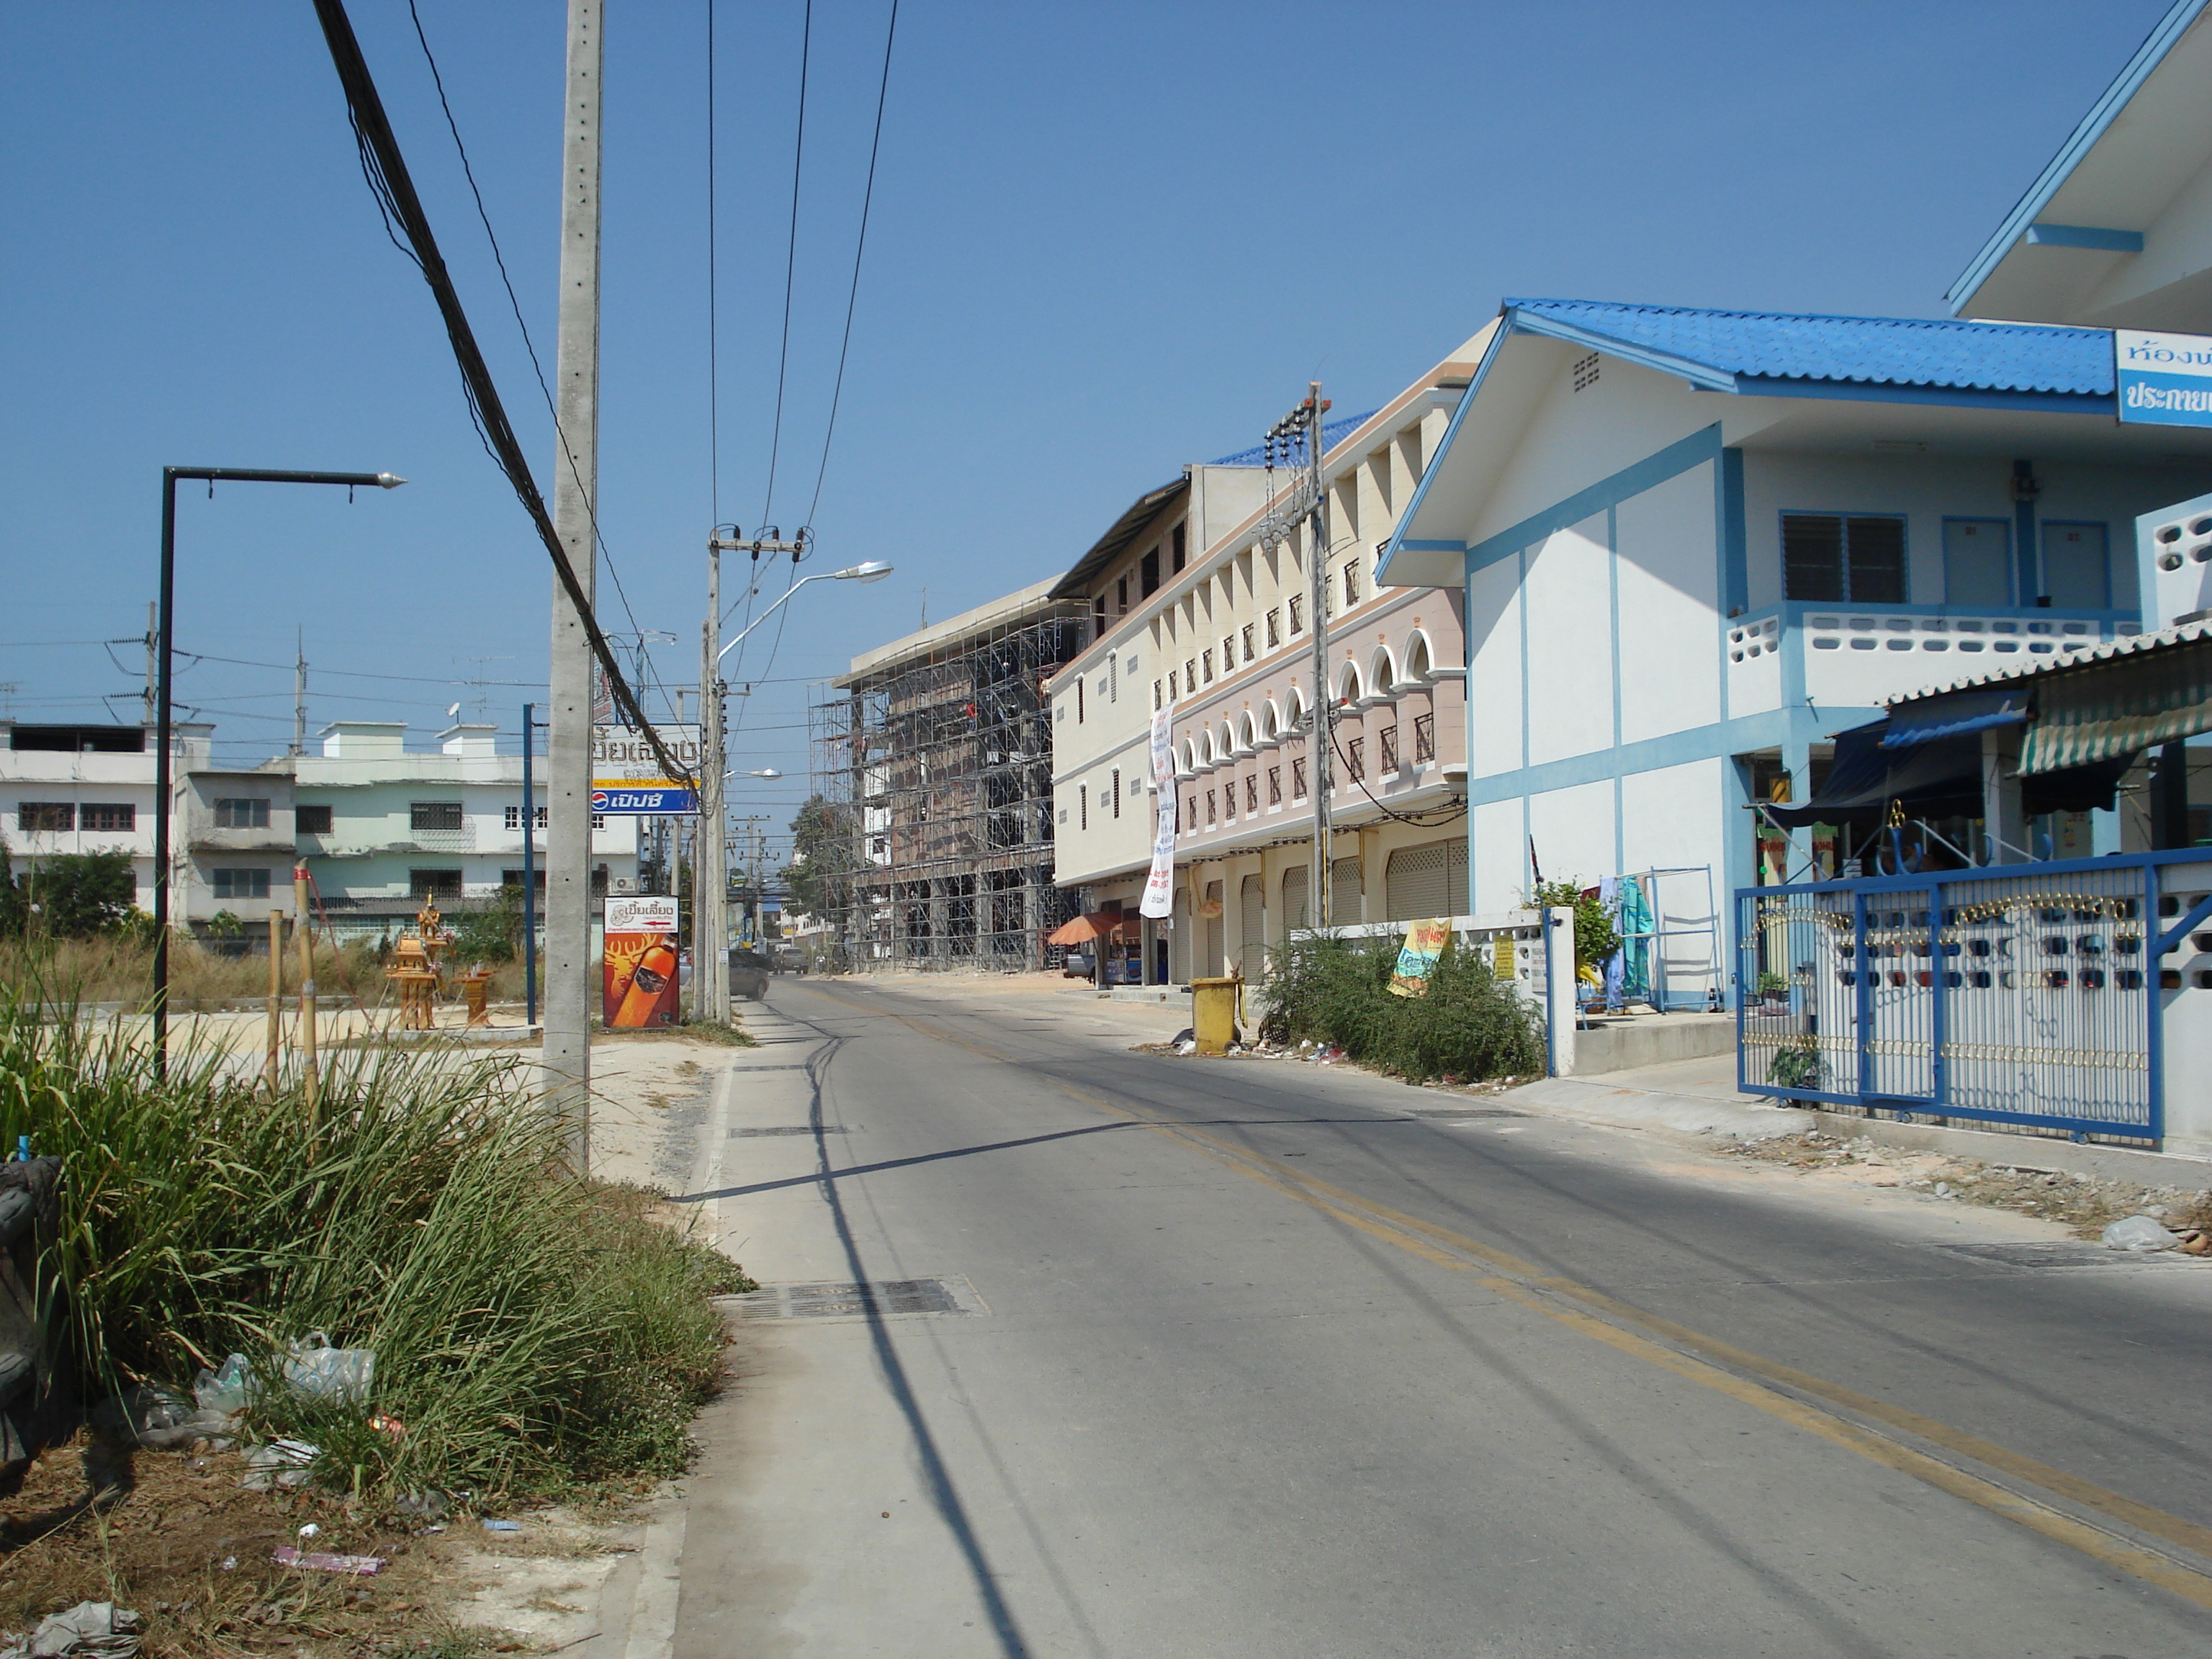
935,761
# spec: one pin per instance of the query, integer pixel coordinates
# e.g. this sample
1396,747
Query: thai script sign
626,779
2163,380
1159,886
641,985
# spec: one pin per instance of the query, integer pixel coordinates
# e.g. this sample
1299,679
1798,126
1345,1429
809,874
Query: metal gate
2016,993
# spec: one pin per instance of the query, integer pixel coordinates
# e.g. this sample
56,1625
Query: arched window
1224,744
1382,672
1244,730
1417,658
1347,684
1294,713
1271,723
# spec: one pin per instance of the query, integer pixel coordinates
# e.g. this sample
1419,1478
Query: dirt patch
192,1552
2086,1203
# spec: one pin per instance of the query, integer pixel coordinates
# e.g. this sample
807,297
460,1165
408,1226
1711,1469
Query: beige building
1198,610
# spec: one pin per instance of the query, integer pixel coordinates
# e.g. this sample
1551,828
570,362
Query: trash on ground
98,1630
160,1418
309,1530
316,1371
279,1463
361,1567
388,1425
503,1526
2138,1232
428,1504
230,1389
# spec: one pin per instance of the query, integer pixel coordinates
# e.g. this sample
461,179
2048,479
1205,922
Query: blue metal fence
2016,994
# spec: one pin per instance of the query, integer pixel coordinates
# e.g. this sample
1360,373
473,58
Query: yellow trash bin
1214,1012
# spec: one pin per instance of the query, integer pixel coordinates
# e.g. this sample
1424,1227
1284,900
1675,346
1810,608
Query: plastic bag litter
279,1463
2138,1232
99,1629
316,1371
158,1417
230,1389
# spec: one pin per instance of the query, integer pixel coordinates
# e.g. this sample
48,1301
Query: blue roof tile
1900,351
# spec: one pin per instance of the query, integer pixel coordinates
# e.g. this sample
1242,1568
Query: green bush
530,1331
1468,1025
1597,937
492,934
76,894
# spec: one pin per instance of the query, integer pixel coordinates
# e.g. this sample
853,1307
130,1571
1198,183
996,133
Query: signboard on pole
2163,380
641,985
626,779
1159,886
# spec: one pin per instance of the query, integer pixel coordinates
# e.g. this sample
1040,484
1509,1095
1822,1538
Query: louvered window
1830,559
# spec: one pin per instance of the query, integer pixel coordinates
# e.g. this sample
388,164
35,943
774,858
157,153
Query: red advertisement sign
641,984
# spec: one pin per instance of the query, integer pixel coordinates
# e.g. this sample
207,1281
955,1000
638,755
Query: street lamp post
212,475
710,874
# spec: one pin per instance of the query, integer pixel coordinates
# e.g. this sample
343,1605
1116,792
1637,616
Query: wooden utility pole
307,937
269,1068
567,1055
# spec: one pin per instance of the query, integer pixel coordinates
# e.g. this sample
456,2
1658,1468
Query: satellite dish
454,713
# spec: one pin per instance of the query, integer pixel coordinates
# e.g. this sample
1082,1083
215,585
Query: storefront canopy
1915,723
1938,777
2094,711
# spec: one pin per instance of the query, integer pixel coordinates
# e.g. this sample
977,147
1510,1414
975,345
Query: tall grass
119,968
1467,1026
530,1330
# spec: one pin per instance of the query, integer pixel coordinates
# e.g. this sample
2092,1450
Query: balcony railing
1861,655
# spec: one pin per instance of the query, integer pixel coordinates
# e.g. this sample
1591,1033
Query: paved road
1251,1360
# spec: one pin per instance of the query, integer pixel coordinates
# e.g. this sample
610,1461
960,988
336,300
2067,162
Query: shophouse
1199,608
1694,545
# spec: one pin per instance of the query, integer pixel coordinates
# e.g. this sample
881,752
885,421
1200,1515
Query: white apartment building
1195,611
382,827
75,789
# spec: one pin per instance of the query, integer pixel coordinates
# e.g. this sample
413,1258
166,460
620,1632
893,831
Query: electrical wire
790,259
393,189
528,345
859,246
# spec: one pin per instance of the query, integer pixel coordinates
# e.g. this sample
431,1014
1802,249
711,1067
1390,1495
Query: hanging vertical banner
641,985
1159,886
1417,957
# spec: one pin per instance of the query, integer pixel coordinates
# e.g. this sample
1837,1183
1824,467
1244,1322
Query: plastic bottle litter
2138,1232
360,1566
230,1389
503,1526
161,1419
279,1463
316,1371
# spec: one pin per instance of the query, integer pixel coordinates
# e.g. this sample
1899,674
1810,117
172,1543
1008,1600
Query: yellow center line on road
1529,1286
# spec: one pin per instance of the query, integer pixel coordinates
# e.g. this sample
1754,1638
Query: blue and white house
1695,545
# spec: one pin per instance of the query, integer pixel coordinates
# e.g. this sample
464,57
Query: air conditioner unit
625,884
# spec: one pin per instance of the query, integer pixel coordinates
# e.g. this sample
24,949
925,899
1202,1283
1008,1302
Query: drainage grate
788,1129
836,1299
2064,1254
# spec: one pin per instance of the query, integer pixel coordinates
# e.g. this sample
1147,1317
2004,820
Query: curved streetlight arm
820,576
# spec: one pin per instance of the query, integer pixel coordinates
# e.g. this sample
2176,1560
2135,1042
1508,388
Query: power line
790,258
852,294
714,294
385,171
515,304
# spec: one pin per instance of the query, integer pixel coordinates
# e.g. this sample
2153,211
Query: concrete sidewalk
1699,1097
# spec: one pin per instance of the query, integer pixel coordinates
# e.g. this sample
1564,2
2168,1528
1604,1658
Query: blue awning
1925,720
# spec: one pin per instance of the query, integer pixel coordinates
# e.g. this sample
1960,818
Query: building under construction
935,757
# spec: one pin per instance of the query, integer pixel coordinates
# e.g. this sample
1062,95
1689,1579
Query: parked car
749,972
789,958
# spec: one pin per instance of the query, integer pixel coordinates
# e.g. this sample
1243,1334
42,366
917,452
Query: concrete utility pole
710,922
710,879
1319,749
566,1056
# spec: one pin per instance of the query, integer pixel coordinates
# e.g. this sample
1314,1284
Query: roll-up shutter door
1346,892
1216,933
1428,880
1295,881
1252,914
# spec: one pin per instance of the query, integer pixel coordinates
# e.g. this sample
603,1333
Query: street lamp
869,570
765,772
212,475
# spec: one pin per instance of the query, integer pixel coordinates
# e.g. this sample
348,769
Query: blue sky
1107,240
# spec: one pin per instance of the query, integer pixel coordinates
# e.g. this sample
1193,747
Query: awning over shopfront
2099,710
1940,777
1915,723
